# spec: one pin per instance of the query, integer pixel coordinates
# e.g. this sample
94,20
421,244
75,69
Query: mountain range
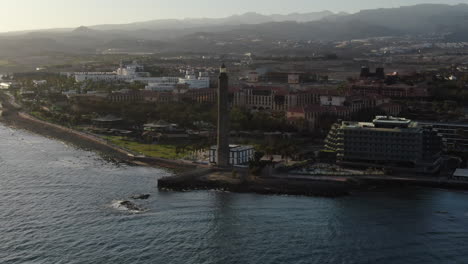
250,18
241,32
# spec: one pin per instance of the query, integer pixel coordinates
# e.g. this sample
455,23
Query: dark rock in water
141,197
130,206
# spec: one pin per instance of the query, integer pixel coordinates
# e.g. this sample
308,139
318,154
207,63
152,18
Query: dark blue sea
58,205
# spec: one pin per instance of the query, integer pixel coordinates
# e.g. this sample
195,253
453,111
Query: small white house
239,155
39,82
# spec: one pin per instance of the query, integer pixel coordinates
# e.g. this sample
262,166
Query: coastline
12,116
187,176
194,177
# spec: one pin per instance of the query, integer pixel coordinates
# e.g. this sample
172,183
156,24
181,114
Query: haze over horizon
32,14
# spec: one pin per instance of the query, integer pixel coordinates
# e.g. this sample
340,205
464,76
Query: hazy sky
34,14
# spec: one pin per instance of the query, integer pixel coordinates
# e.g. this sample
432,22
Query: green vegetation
165,151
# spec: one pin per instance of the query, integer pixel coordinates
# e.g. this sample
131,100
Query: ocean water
57,205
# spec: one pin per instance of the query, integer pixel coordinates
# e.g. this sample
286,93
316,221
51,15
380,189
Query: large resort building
387,142
134,72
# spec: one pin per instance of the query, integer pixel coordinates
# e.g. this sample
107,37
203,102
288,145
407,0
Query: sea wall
201,180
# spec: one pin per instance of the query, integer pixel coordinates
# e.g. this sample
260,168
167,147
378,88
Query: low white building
39,82
239,155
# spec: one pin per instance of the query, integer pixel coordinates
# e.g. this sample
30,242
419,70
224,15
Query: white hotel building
134,72
124,73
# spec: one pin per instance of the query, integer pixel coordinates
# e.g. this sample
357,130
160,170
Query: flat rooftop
371,126
383,123
390,121
461,173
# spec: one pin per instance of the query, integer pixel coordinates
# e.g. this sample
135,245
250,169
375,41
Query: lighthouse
223,151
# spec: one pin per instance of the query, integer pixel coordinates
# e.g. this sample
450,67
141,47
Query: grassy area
159,151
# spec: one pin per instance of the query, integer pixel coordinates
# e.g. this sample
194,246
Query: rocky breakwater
243,182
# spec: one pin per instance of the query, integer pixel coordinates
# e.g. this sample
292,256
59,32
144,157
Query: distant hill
83,29
247,18
418,19
250,31
411,20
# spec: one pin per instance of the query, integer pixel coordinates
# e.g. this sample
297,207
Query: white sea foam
117,204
